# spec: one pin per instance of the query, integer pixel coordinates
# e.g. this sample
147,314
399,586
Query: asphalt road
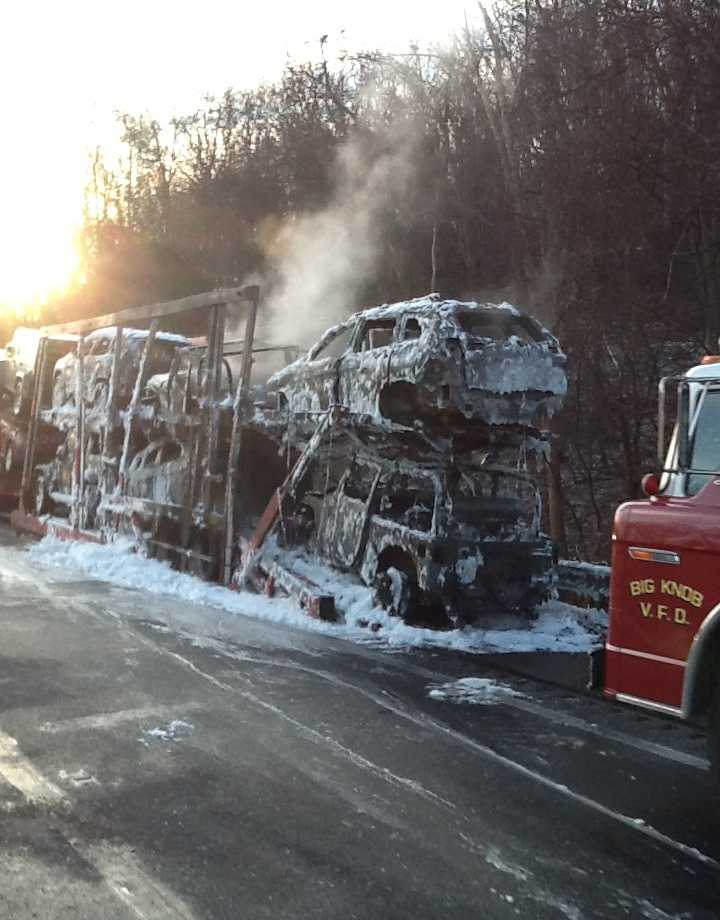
149,773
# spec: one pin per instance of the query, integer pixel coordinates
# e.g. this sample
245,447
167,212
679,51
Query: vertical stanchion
253,295
35,407
78,470
134,403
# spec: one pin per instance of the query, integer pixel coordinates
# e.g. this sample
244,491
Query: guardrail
583,583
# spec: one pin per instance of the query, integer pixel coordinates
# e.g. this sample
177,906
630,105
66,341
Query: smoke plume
323,260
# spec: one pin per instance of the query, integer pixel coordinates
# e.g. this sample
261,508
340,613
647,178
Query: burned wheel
395,592
398,403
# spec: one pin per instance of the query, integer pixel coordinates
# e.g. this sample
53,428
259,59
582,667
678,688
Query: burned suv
427,360
460,537
97,365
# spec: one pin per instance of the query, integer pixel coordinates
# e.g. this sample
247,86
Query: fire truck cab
663,646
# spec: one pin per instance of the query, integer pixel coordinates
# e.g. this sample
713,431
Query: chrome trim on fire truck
635,653
655,555
711,621
649,704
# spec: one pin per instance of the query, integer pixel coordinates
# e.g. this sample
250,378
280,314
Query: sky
66,67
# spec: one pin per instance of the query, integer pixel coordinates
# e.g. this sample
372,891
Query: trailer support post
29,458
134,402
231,482
78,492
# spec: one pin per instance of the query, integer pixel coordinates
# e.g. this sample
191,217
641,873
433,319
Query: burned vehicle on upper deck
427,361
97,366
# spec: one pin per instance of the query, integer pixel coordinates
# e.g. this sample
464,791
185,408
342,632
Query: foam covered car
428,360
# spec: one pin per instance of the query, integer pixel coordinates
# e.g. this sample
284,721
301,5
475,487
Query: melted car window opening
335,346
359,482
412,329
409,502
497,324
376,334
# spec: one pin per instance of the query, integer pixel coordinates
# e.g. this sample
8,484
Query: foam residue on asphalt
479,690
558,627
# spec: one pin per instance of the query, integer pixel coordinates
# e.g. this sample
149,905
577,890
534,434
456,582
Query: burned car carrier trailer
120,465
407,455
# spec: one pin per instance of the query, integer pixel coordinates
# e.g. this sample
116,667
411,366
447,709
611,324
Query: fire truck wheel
714,735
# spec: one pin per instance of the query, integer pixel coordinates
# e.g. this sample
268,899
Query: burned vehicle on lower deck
443,363
463,538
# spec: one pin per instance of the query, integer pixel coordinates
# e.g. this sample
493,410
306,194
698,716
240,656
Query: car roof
111,332
431,305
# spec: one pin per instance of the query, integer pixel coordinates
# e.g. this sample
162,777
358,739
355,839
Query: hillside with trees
564,158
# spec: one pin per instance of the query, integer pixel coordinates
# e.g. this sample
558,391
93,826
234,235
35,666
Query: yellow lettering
681,616
696,599
666,586
643,586
646,608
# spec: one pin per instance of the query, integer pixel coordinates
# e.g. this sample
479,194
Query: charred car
97,366
428,360
458,537
54,480
17,365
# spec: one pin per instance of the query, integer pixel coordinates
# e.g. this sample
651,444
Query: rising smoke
322,261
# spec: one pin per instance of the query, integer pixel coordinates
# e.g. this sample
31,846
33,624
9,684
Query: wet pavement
164,760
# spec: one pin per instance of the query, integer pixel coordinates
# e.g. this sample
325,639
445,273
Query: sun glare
37,249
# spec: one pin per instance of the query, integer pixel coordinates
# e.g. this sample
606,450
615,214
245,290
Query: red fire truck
663,646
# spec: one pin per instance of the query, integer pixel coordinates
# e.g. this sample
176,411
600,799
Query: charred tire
398,402
20,401
396,592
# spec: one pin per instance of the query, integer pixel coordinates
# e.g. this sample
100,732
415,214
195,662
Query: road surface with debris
163,760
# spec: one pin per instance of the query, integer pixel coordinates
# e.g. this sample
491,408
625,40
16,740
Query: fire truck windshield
705,441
